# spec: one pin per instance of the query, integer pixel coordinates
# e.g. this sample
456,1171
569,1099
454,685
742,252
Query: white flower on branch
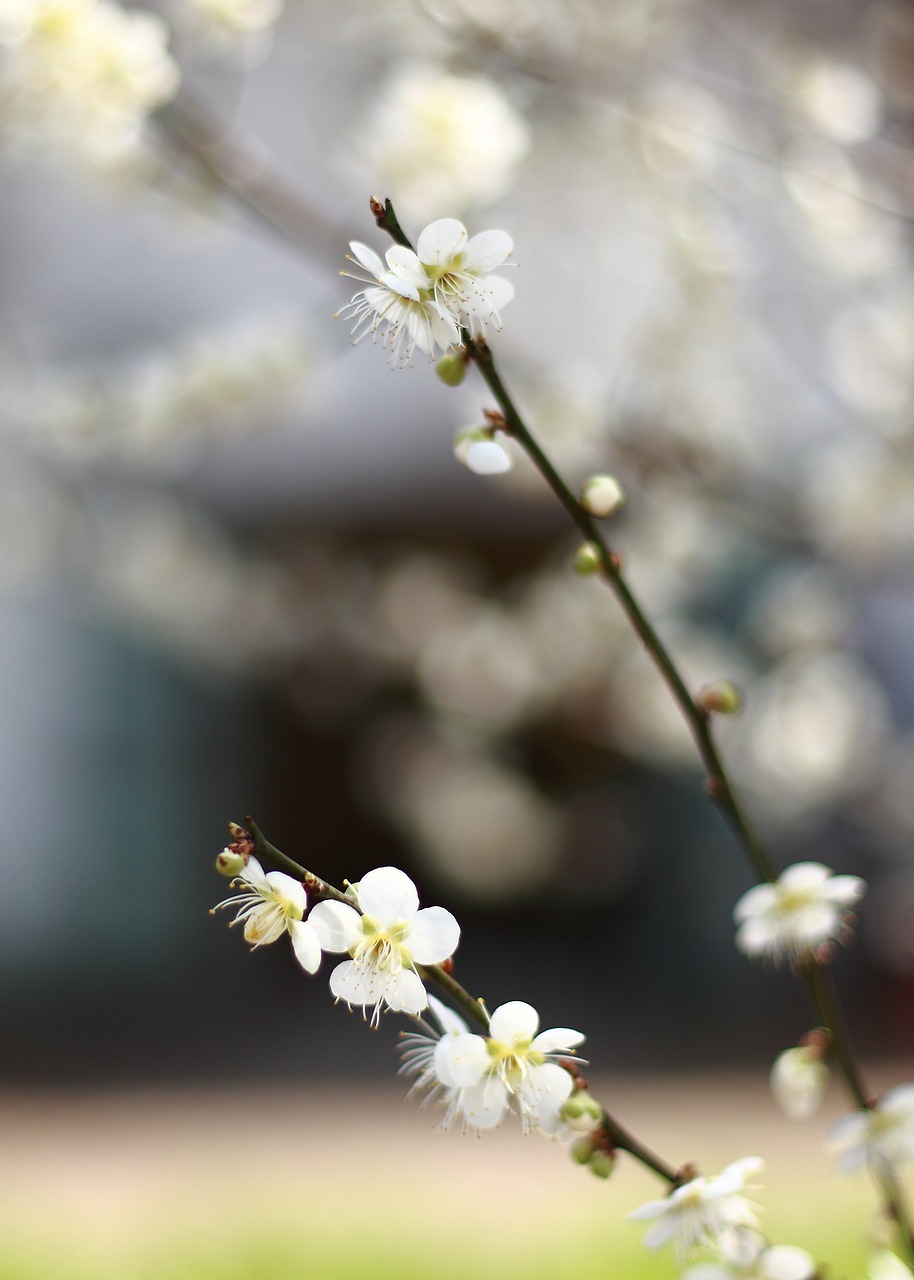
882,1137
706,1212
386,942
459,270
484,1075
272,905
402,301
793,916
418,1052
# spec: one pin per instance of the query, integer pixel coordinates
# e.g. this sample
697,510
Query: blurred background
242,572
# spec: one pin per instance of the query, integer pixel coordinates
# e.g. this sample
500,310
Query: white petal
488,458
290,890
306,945
845,890
788,1262
404,264
487,251
558,1038
433,935
355,984
485,1104
367,258
404,992
542,1092
388,896
253,873
461,1061
804,876
441,241
338,927
450,1022
514,1020
759,899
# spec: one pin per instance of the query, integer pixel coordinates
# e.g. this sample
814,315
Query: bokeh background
242,572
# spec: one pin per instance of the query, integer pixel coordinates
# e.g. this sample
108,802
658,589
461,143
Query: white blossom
272,905
418,1053
401,305
885,1265
798,1081
805,907
459,271
478,451
512,1065
881,1136
707,1212
386,942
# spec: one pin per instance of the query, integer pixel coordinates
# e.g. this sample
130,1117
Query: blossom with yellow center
386,939
272,905
513,1064
795,914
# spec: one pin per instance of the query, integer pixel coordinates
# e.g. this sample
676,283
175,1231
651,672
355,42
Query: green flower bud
581,1111
582,1150
722,696
451,369
587,559
230,863
602,1164
602,495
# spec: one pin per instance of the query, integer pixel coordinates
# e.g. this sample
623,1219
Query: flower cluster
795,915
85,73
384,931
480,1079
425,298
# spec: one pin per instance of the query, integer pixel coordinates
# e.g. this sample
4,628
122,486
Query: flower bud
602,1163
451,369
602,495
722,696
587,559
581,1111
798,1080
230,862
582,1150
475,448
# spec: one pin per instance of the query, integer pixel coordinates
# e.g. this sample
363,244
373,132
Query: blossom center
513,1061
382,948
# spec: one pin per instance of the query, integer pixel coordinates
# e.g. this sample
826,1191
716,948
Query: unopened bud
602,495
237,832
476,450
588,559
582,1150
230,862
581,1111
799,1079
722,696
602,1163
451,369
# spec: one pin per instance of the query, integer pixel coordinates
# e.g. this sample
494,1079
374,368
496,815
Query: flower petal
367,258
461,1061
441,241
487,250
433,935
306,945
338,927
404,992
388,896
514,1020
558,1038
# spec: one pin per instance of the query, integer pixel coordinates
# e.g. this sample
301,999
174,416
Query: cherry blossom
271,905
704,1212
794,915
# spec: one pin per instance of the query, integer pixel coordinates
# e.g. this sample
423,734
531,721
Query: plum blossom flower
418,1053
386,938
804,908
400,298
459,270
882,1136
271,905
707,1212
513,1064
